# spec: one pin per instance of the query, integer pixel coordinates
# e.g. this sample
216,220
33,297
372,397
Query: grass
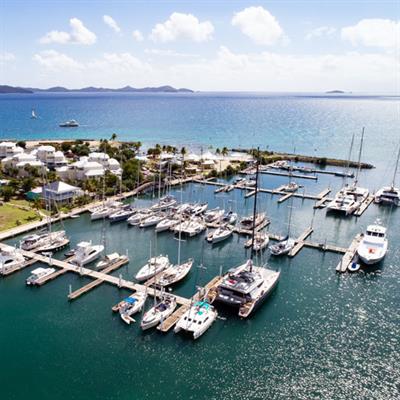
11,217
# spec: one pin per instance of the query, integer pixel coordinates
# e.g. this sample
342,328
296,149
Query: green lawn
9,216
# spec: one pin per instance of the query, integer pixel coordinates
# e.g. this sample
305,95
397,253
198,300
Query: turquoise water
319,336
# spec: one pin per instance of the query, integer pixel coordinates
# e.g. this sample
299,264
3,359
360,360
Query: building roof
60,187
46,148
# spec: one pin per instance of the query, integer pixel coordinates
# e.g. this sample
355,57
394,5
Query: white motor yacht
131,305
219,234
10,259
373,246
175,273
86,252
159,313
38,274
197,319
153,267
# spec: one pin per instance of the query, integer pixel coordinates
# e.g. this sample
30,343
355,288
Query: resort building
49,156
19,161
81,170
9,149
59,192
109,164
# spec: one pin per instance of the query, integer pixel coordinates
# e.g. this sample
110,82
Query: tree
224,151
7,192
22,144
65,146
113,136
183,151
27,184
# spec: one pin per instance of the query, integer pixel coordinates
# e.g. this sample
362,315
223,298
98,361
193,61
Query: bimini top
202,305
131,300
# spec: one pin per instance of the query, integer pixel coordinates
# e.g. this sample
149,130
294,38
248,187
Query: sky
207,45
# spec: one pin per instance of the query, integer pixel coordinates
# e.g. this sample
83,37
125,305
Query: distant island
92,89
335,92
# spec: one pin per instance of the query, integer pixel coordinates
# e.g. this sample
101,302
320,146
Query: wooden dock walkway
297,176
285,197
97,282
349,255
300,241
248,232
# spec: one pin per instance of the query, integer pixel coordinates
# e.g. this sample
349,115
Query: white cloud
259,25
373,32
6,57
79,34
321,31
137,35
169,53
185,26
53,60
111,23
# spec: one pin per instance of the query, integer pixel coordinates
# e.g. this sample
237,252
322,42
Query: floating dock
300,241
295,176
349,255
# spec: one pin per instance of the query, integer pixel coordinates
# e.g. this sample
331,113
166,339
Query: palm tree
224,151
183,151
113,137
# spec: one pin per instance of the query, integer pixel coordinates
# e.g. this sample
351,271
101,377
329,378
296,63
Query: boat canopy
131,300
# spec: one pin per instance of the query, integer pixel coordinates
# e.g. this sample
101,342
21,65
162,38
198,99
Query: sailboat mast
180,215
254,210
396,168
348,160
359,158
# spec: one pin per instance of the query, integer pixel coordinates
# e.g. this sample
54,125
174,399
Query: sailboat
33,114
349,198
159,312
246,286
131,305
390,194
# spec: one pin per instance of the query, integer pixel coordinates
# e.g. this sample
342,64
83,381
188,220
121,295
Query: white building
9,149
20,161
81,170
110,164
49,156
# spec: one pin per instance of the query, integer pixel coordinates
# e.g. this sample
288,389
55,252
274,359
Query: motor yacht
10,259
110,259
132,305
38,274
153,267
197,319
374,245
159,313
69,124
86,252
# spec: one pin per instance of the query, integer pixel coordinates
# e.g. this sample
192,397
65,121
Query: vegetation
11,216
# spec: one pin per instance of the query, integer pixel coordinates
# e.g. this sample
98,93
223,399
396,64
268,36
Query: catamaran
349,198
197,319
246,287
373,246
390,194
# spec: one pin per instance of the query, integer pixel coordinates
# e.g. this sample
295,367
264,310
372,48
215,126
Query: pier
300,241
349,255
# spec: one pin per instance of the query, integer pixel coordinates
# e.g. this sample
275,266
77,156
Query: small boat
131,305
229,218
38,274
10,259
219,234
74,216
86,253
166,224
291,187
110,259
153,267
354,267
197,319
374,245
122,214
261,241
175,273
159,313
69,124
282,247
152,220
33,114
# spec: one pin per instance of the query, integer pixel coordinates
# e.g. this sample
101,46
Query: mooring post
120,280
70,290
220,270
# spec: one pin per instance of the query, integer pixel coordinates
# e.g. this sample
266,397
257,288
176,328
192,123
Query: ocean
320,335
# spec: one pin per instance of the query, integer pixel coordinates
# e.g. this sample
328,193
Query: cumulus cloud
137,35
6,57
111,23
321,31
259,25
79,34
374,32
182,26
169,53
53,60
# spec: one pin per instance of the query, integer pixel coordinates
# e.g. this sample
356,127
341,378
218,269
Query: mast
180,216
396,168
359,158
254,212
348,161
